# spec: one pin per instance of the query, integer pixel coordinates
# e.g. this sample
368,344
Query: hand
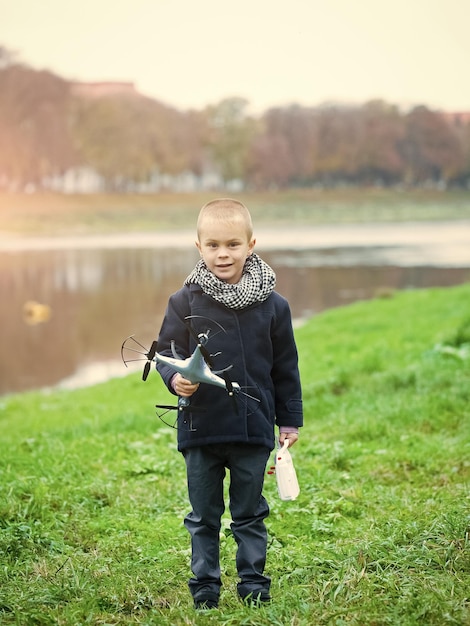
291,437
183,387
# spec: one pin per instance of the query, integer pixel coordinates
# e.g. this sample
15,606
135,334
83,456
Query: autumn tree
283,151
381,130
231,134
430,149
35,139
270,162
459,124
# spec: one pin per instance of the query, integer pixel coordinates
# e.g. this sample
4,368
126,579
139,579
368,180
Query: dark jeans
206,467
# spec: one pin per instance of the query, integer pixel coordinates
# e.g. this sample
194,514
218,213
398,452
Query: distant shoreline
448,233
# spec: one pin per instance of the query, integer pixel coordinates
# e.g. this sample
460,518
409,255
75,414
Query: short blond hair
227,210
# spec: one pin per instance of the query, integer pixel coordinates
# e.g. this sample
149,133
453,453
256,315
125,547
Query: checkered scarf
256,284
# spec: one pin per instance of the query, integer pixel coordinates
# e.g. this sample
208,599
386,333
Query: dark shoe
257,598
206,600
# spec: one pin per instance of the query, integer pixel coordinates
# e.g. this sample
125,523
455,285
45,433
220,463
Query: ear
251,246
198,246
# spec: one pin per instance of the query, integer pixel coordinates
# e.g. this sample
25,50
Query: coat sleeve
285,372
174,329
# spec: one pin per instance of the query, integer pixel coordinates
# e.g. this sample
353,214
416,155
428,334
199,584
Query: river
67,303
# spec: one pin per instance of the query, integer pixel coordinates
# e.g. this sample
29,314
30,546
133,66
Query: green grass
56,214
92,489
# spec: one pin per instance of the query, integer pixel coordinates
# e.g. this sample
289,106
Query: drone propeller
167,407
230,389
146,371
200,339
152,351
183,409
150,356
203,337
130,344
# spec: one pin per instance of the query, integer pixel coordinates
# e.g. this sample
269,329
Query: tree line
48,127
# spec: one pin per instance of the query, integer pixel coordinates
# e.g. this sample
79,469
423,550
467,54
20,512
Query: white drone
196,368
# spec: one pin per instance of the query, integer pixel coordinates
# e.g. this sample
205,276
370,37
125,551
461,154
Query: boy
231,288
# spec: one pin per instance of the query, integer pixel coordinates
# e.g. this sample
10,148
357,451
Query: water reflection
96,297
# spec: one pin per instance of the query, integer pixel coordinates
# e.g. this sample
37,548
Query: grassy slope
92,491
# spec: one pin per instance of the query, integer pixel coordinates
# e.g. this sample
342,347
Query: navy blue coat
259,343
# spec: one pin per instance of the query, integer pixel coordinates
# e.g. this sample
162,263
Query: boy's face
224,247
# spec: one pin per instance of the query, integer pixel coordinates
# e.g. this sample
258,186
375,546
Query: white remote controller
286,478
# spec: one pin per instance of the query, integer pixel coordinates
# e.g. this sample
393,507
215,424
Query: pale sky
190,53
